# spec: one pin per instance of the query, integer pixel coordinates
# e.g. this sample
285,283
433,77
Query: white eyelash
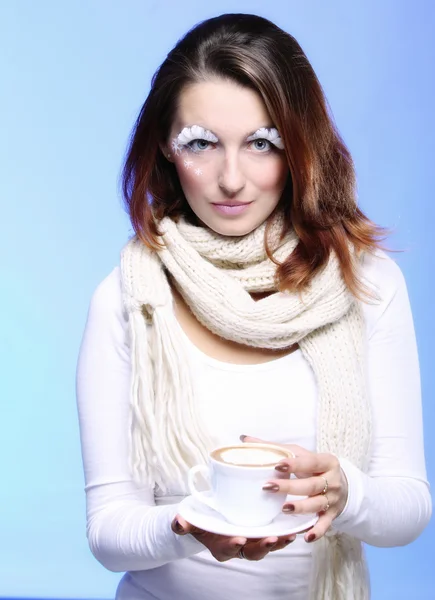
270,134
196,132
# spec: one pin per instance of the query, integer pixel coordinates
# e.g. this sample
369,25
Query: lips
231,207
230,203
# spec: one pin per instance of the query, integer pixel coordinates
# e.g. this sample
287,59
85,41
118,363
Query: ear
166,152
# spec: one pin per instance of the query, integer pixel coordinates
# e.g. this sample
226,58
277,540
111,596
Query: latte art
249,455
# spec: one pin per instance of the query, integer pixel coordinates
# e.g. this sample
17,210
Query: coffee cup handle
194,471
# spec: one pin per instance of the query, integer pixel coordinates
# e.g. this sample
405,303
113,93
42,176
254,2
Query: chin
232,228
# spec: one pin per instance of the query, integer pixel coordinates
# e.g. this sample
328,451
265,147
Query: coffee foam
249,456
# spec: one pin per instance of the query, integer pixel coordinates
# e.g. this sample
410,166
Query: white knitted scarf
215,275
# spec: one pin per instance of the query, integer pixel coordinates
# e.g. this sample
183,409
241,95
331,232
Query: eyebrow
268,126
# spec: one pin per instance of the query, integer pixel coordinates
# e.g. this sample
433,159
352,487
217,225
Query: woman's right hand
225,548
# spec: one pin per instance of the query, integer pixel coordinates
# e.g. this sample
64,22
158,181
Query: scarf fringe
339,569
158,414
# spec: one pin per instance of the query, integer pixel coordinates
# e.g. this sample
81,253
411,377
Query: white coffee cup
237,475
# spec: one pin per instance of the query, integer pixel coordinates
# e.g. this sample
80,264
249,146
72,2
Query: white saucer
200,515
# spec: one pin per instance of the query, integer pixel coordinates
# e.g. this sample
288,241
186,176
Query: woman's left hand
318,476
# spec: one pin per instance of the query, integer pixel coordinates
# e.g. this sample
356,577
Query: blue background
73,77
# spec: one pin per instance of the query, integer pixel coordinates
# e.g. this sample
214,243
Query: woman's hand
318,476
224,548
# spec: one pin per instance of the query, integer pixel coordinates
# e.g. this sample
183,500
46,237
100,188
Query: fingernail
242,438
282,468
271,487
311,537
288,508
178,527
289,541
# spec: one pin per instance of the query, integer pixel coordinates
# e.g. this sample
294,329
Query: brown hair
319,200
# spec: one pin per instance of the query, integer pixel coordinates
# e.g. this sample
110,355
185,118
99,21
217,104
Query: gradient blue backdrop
73,77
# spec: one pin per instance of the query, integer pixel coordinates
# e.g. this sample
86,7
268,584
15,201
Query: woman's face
228,155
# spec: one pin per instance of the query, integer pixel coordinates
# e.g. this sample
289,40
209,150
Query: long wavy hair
319,200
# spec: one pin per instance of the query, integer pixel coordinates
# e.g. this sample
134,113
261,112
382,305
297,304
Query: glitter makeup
191,134
197,133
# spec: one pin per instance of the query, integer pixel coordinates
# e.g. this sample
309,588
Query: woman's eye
262,145
198,145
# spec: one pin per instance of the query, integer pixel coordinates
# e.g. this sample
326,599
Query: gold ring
241,554
325,489
327,504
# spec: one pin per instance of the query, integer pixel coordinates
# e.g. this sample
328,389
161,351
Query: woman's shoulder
107,296
381,273
384,279
110,286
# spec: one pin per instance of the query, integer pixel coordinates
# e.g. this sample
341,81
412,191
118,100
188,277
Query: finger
283,542
309,486
258,550
316,504
319,529
305,530
313,463
295,450
181,527
230,548
292,448
252,440
237,541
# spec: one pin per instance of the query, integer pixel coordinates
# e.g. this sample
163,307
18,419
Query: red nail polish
282,468
288,508
271,487
178,527
311,537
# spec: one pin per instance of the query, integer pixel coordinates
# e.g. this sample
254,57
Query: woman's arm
126,531
391,505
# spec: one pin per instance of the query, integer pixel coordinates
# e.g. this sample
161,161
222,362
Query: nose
231,178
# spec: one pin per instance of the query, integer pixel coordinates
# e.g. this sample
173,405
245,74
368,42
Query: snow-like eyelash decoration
188,134
268,133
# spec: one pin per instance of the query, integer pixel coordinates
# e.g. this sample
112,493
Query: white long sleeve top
129,528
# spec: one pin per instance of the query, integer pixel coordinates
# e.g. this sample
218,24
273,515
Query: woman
254,301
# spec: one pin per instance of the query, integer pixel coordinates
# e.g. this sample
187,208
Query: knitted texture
215,275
